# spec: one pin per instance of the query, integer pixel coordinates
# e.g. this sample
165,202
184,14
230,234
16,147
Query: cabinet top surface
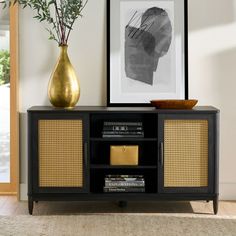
121,109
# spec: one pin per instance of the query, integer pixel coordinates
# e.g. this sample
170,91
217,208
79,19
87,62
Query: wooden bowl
174,104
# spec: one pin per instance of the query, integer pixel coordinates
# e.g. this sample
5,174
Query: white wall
212,55
212,60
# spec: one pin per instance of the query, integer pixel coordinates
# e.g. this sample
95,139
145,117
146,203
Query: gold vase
63,87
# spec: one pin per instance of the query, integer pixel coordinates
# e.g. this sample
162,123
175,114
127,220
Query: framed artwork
147,51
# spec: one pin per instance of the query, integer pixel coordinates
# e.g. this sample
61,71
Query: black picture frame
185,63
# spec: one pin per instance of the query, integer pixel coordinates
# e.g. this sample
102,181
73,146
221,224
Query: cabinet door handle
86,153
162,153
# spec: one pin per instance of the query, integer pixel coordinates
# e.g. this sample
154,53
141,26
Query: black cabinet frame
153,119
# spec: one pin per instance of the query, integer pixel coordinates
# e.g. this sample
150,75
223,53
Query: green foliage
4,67
60,15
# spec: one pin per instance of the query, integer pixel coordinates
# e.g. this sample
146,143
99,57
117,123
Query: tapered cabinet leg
215,205
30,205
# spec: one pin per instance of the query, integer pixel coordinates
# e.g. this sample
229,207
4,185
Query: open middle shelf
100,150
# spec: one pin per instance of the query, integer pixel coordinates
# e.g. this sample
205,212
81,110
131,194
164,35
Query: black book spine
127,134
125,176
122,128
107,123
123,190
124,183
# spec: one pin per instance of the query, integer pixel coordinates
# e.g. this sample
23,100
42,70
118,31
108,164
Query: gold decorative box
124,155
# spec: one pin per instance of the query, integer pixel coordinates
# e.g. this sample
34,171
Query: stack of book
124,183
122,129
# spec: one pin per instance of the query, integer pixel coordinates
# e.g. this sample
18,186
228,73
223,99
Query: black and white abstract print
147,51
148,37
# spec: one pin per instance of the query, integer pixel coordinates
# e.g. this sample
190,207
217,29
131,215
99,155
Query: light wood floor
10,206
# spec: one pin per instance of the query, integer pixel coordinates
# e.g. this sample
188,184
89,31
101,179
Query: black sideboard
68,158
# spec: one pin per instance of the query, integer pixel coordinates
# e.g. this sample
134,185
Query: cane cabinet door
186,153
59,153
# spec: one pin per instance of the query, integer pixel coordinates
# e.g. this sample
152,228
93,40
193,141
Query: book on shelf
124,178
123,129
109,183
124,183
123,190
108,123
122,134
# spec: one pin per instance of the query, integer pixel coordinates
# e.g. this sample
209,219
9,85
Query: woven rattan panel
60,153
186,153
